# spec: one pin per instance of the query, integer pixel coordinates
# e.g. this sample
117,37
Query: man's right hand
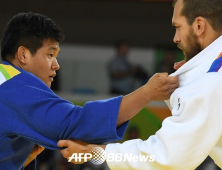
160,86
163,86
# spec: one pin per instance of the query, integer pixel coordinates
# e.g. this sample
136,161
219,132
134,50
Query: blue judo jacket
30,113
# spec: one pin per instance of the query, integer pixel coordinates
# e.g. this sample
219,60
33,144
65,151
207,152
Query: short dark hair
209,9
28,30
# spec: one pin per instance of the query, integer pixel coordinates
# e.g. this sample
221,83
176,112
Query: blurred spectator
133,133
122,73
166,65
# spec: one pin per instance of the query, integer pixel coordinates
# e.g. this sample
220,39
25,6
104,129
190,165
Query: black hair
28,30
209,9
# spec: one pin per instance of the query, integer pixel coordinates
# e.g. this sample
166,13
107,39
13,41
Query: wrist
91,146
147,94
90,149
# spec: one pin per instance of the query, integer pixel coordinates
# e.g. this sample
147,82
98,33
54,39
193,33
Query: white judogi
194,130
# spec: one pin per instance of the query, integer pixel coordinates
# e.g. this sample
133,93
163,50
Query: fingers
75,151
169,93
173,80
65,153
166,95
63,143
166,80
179,64
80,161
71,147
161,74
172,85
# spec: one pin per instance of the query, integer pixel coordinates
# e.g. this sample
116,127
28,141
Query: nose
176,38
55,64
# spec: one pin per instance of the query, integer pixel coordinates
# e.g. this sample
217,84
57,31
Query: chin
48,84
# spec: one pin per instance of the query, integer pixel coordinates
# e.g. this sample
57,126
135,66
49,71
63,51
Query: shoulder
204,93
205,85
16,79
210,80
208,84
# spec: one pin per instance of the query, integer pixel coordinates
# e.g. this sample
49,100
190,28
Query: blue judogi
30,113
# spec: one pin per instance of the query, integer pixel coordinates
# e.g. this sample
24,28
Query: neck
209,38
14,62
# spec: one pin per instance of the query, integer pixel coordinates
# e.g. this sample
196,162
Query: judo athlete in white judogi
194,130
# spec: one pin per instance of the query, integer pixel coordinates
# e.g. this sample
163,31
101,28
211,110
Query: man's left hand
74,146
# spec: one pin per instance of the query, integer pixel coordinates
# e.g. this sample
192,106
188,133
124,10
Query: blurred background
109,44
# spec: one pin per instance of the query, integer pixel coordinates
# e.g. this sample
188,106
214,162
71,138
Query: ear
199,26
22,55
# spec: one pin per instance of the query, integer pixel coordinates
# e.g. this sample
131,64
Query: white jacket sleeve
186,138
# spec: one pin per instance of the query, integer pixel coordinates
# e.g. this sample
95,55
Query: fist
161,86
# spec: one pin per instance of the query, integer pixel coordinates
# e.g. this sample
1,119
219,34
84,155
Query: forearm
132,103
89,147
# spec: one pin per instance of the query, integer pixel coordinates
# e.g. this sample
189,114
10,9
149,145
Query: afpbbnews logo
118,157
98,156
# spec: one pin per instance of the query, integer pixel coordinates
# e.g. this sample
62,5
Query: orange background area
160,112
148,121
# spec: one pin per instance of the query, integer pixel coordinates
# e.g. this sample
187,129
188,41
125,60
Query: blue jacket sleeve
37,114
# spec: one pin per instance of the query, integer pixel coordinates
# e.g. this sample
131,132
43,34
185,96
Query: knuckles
65,153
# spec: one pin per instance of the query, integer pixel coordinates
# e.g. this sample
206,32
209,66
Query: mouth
52,77
179,46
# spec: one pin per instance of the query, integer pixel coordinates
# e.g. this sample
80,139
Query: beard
192,48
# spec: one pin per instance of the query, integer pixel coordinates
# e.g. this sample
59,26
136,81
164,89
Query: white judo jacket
194,130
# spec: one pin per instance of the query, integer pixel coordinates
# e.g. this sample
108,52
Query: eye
51,55
176,27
